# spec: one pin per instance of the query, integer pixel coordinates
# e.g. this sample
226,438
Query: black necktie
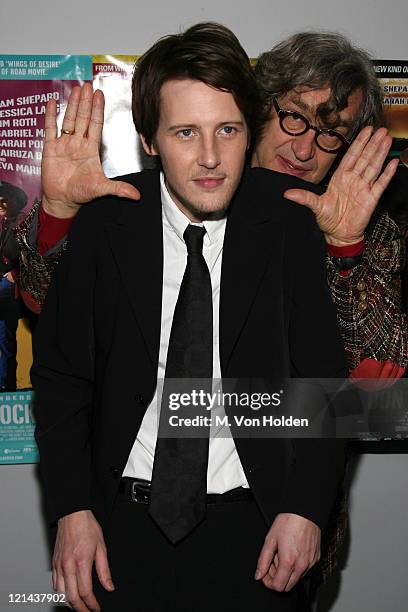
179,480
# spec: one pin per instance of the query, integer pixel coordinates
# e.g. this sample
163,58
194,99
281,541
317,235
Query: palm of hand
71,169
344,210
346,207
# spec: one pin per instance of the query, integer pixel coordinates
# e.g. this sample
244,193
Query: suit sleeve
316,351
63,374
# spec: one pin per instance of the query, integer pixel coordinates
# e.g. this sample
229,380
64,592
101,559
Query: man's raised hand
71,168
344,210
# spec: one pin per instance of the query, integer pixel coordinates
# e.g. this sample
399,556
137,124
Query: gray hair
317,60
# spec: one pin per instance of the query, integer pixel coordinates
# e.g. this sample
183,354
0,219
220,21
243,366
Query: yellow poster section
123,62
396,105
24,355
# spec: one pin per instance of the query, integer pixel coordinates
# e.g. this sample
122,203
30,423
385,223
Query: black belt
138,490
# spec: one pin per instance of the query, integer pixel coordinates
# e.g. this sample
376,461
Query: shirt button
361,285
139,399
114,472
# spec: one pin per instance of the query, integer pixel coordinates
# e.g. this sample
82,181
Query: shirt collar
214,225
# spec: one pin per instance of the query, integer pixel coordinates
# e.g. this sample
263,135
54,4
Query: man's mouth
289,167
209,182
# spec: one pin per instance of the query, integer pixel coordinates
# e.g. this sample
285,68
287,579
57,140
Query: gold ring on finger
69,132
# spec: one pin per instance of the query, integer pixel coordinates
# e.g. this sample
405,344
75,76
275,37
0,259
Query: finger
96,122
117,188
72,591
83,115
354,151
50,120
102,568
265,558
59,582
54,579
384,179
84,581
306,198
68,123
376,162
294,579
282,575
273,568
370,151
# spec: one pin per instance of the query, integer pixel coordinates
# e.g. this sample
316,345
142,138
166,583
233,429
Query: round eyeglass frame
282,113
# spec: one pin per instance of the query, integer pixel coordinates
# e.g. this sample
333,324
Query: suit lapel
136,238
253,235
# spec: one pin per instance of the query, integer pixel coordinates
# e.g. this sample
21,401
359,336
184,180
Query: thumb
118,188
266,557
102,568
301,196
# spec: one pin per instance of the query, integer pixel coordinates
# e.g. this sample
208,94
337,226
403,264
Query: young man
199,279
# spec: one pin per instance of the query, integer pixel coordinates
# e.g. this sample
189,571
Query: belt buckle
137,495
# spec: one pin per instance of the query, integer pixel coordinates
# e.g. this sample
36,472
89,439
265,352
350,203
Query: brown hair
207,52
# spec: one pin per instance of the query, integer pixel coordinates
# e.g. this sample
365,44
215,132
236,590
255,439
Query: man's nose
304,146
209,155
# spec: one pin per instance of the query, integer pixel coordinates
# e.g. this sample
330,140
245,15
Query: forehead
187,101
309,100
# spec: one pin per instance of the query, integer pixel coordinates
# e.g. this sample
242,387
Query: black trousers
211,570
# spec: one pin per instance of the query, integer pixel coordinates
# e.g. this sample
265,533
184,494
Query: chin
209,209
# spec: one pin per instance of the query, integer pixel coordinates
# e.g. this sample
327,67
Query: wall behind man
77,26
373,579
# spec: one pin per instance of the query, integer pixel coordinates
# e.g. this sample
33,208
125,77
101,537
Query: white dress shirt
224,471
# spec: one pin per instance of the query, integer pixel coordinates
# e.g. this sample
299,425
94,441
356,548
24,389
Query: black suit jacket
97,344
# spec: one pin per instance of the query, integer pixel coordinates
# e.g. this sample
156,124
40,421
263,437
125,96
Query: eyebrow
187,126
305,107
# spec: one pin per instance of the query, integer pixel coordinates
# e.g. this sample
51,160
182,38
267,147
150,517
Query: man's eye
186,133
228,129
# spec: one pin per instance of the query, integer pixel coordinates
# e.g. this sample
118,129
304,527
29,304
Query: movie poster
121,151
17,424
393,76
26,84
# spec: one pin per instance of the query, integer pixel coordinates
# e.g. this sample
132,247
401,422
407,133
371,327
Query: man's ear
149,149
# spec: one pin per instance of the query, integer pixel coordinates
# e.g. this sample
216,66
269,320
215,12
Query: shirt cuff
350,250
50,230
371,368
29,301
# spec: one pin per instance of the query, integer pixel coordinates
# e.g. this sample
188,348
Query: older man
319,92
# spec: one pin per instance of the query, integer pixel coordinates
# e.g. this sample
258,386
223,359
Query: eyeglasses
295,124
